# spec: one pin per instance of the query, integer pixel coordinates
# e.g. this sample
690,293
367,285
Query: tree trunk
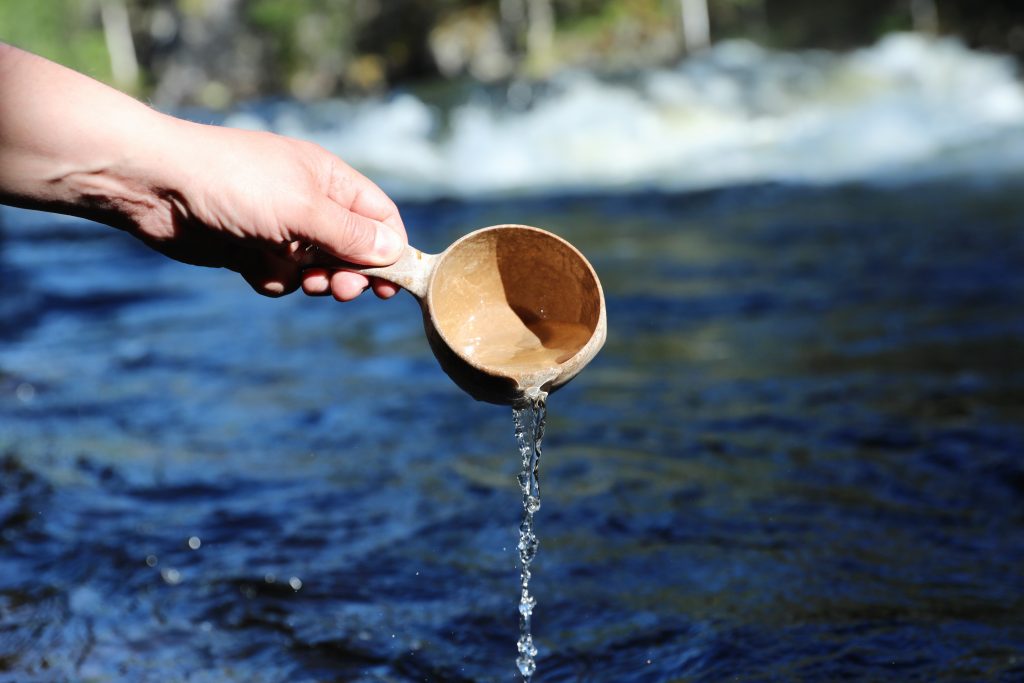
924,16
696,24
540,31
117,33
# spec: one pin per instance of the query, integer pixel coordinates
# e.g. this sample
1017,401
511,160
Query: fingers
346,285
319,282
267,273
358,222
316,282
350,235
349,217
349,188
383,288
343,285
358,195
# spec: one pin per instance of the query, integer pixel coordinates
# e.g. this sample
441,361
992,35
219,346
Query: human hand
213,196
252,201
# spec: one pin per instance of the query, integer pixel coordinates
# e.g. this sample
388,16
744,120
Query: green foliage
315,48
66,31
306,36
591,18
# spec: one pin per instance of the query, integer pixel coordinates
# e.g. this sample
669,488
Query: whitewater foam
907,107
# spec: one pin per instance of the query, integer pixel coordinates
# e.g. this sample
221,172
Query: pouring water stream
512,313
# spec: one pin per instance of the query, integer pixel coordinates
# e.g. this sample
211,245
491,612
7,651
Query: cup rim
568,368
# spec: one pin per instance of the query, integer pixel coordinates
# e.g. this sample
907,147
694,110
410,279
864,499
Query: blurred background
800,455
218,52
686,94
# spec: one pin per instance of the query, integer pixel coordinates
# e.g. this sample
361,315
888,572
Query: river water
798,457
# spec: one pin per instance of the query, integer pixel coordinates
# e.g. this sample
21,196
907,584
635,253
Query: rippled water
798,457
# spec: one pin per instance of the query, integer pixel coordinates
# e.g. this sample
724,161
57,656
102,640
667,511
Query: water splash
529,421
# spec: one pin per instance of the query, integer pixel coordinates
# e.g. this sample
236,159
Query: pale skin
206,195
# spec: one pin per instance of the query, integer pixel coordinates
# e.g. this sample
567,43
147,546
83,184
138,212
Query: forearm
73,145
201,194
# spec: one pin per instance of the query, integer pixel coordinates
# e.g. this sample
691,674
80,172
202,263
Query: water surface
799,456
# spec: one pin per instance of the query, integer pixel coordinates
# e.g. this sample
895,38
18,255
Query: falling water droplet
25,392
529,429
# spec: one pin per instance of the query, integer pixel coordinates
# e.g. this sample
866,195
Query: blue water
800,456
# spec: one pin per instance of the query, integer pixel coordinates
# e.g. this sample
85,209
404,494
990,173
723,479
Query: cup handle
411,271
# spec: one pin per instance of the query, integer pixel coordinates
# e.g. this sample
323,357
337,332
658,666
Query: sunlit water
529,422
798,456
535,348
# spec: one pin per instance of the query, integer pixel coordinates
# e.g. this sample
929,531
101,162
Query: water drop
25,392
527,665
194,542
171,576
295,582
151,560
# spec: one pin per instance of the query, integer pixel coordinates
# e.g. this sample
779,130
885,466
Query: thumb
351,236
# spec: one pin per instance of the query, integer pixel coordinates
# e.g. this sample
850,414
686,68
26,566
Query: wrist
139,181
150,177
110,174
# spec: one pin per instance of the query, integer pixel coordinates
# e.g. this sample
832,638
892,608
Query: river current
798,457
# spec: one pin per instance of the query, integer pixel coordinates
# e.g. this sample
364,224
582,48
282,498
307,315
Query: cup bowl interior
514,300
